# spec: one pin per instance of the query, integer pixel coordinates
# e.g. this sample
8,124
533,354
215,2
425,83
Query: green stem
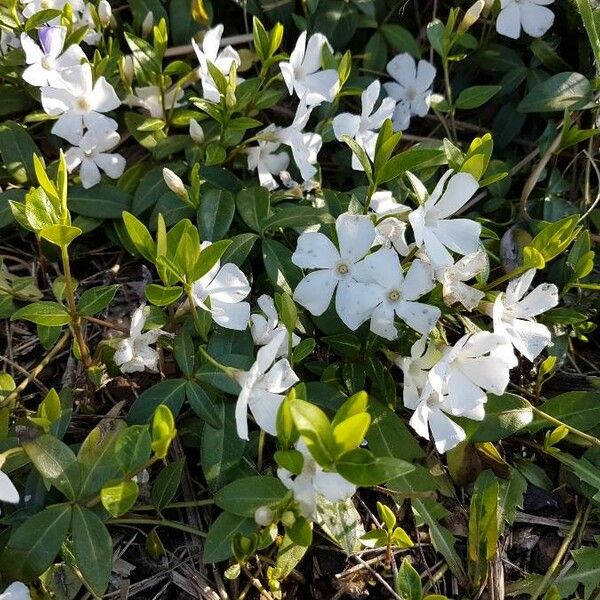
195,315
189,504
449,96
157,523
585,436
229,371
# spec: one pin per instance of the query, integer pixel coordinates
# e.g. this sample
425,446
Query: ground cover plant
298,299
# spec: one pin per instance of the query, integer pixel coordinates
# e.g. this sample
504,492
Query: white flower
80,105
174,183
8,41
221,60
452,278
363,128
34,6
302,73
336,268
416,368
134,354
393,293
104,12
531,15
8,492
196,131
47,61
391,231
304,146
225,287
434,231
16,591
476,364
85,19
148,24
91,153
265,159
267,326
513,314
314,482
149,98
263,516
411,88
263,387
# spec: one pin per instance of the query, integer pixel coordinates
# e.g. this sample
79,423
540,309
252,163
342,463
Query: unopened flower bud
148,24
263,516
174,183
288,518
471,16
128,69
104,12
488,5
196,131
230,99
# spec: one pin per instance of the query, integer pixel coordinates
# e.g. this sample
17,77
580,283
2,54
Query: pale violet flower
530,15
8,492
91,154
423,356
391,293
264,327
363,128
134,353
304,146
303,75
513,314
225,287
453,277
411,88
391,231
81,105
263,387
16,591
221,60
265,159
314,482
336,270
151,100
434,231
49,59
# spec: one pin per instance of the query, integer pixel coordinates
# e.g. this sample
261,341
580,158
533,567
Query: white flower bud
471,16
174,183
263,516
104,12
148,24
196,131
128,69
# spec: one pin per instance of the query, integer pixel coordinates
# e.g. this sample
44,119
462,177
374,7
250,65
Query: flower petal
355,235
458,192
8,492
536,20
315,250
508,22
446,433
230,285
315,291
264,407
229,314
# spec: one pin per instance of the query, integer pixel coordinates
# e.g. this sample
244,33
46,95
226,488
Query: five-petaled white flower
390,292
133,353
304,146
411,88
530,15
265,159
314,482
81,104
391,231
363,128
513,314
150,98
453,277
302,73
47,61
8,491
433,230
91,153
336,270
264,327
221,60
225,287
16,591
263,387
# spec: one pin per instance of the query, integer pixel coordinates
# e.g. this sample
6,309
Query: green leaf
33,546
202,404
133,448
160,295
586,572
184,352
408,582
511,496
217,546
170,392
555,237
400,39
338,21
565,91
314,427
340,522
350,433
140,236
50,314
166,484
282,273
55,462
410,160
60,235
103,201
296,216
577,409
241,245
291,460
253,206
208,258
17,149
244,496
476,96
163,430
92,549
119,497
215,214
363,468
96,299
